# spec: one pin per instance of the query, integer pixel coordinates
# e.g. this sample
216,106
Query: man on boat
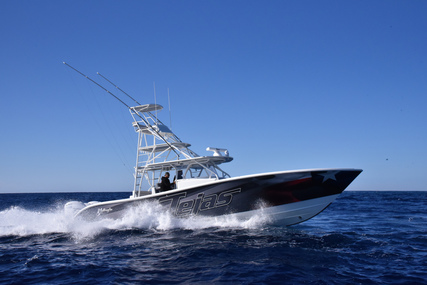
166,184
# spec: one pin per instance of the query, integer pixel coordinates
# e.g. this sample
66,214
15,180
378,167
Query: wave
17,221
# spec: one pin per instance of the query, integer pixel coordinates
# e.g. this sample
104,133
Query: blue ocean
367,237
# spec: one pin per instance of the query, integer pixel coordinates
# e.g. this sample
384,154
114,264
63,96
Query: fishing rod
143,119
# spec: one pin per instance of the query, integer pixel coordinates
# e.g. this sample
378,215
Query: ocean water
362,238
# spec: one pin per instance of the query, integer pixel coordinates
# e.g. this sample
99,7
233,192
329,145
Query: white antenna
170,114
155,98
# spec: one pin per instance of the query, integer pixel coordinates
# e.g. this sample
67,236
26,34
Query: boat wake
17,221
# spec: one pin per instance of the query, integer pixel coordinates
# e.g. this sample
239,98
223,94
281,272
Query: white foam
21,222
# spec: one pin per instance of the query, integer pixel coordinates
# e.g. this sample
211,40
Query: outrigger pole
97,84
119,88
137,101
105,89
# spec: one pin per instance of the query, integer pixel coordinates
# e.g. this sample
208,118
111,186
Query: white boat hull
290,214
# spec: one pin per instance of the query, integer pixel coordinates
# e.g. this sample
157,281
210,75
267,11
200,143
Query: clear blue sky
282,84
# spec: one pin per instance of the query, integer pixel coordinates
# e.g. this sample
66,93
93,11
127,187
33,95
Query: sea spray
152,215
21,222
17,221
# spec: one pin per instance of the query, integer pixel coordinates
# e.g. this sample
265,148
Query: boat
201,188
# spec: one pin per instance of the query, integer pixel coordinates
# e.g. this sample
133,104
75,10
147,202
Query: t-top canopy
194,162
148,108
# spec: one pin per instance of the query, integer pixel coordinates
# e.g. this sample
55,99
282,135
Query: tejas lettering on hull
180,206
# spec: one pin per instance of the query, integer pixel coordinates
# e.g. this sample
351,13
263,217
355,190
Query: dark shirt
165,185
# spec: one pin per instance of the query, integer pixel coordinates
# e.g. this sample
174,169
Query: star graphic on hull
329,175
